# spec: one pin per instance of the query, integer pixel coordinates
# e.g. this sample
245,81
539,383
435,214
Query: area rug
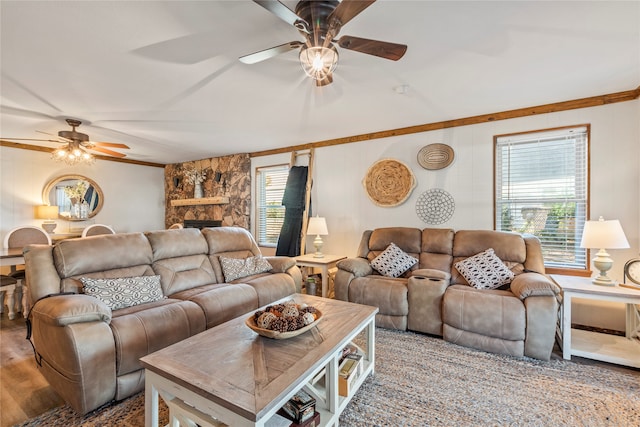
424,381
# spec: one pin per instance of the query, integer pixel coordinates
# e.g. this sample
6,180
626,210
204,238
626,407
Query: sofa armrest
75,349
287,265
64,310
533,284
280,264
349,269
359,267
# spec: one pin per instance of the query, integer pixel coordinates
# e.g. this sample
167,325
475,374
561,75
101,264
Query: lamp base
49,226
603,262
317,242
603,281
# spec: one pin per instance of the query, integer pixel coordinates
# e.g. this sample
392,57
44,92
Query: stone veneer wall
235,183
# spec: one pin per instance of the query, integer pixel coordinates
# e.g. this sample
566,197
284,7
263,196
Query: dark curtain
293,201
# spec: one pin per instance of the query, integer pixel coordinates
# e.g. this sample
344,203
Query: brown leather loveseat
90,353
518,318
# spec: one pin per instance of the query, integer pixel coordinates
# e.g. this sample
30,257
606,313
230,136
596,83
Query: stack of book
349,370
301,410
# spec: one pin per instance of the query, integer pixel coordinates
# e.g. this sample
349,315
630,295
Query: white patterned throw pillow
124,292
393,261
485,270
235,268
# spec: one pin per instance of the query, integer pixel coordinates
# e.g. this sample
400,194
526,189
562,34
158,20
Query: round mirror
69,191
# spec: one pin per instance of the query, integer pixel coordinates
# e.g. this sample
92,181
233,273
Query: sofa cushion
235,268
222,301
124,292
489,313
231,242
73,257
143,329
270,286
393,261
176,243
485,270
388,294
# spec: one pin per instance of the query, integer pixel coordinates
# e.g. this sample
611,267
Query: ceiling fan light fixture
318,62
72,155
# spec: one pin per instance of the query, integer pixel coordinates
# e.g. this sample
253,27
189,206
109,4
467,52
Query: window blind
270,184
541,183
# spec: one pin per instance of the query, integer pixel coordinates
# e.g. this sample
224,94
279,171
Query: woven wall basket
435,156
389,182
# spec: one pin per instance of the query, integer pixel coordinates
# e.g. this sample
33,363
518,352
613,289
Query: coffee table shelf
229,374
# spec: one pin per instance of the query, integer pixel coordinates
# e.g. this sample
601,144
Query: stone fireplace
226,177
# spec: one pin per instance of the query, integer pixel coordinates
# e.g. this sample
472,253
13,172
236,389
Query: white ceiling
164,78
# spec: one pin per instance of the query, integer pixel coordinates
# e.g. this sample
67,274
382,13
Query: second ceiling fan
319,22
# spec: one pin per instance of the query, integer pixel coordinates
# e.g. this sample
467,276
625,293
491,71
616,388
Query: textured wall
235,183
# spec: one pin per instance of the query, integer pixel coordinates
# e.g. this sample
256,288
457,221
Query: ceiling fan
76,145
319,22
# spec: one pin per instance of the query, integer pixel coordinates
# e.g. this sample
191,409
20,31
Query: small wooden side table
594,345
324,264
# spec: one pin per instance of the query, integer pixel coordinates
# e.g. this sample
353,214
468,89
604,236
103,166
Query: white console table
594,345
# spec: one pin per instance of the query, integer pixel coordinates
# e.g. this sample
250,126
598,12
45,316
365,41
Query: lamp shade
603,234
46,212
317,226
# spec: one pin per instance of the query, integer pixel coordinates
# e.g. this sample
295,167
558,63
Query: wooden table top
236,368
311,259
10,253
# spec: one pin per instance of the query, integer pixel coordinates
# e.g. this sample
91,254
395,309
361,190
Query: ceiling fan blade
28,139
349,9
60,138
110,144
284,13
269,53
378,48
109,152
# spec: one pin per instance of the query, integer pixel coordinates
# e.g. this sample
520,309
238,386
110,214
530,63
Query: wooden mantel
218,200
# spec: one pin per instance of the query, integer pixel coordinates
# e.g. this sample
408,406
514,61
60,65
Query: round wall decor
435,156
389,182
435,206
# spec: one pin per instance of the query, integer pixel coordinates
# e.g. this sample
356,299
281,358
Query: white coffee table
232,375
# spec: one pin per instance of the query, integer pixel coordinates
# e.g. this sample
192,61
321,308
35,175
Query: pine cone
280,324
292,323
308,309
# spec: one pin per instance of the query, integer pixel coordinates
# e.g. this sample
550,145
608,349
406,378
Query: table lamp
603,234
48,213
318,226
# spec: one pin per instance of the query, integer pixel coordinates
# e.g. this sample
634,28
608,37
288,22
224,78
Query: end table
324,264
594,345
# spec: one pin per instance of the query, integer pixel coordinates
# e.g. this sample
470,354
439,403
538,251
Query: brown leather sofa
433,297
89,353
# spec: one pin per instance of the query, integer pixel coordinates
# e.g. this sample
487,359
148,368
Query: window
541,188
270,183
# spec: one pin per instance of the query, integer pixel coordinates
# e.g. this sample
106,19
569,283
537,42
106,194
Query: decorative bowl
251,323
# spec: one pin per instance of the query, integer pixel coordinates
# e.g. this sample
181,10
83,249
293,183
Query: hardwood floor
24,393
